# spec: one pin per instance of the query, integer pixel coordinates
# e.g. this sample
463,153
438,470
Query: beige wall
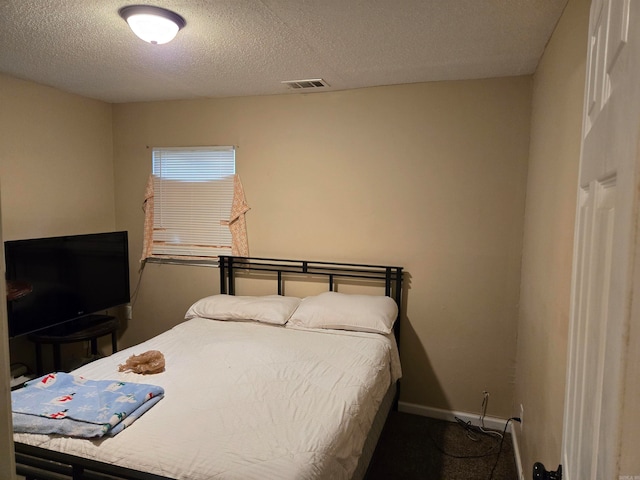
427,176
56,167
56,162
548,238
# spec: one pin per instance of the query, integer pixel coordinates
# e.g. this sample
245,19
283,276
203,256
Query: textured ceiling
248,47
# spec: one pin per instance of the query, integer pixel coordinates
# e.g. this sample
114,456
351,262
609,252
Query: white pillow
274,309
361,313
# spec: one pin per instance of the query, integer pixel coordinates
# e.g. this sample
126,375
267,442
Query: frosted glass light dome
152,24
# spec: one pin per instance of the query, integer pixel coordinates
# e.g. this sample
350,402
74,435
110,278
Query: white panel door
605,245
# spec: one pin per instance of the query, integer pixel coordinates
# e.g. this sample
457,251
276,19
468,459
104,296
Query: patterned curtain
147,207
237,223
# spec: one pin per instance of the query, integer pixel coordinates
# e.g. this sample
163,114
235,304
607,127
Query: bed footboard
35,463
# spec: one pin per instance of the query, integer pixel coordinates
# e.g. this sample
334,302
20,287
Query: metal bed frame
37,463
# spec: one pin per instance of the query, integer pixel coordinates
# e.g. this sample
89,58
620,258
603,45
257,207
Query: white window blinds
193,194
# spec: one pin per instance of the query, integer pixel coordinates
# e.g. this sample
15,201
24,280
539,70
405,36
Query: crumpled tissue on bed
66,404
151,361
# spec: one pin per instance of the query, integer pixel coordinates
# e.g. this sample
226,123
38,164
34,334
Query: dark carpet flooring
415,447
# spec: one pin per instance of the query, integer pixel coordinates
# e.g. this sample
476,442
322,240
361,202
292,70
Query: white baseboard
494,423
516,454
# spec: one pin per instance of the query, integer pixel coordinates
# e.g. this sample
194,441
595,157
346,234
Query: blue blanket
64,404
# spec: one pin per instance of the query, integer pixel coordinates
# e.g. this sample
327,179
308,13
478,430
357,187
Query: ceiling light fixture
152,24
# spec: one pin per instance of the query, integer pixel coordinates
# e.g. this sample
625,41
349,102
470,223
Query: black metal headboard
390,276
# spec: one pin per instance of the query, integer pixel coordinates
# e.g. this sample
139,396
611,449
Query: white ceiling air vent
306,84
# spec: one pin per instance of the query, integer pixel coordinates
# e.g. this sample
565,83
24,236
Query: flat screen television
51,281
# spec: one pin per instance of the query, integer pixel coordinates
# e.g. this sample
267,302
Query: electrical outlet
128,311
521,416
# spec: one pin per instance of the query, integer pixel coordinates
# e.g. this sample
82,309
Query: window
192,197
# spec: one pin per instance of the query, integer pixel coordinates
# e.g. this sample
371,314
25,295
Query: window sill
198,262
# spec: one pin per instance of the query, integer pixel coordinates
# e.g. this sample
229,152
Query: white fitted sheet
246,400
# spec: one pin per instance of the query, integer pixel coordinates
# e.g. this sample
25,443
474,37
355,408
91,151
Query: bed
255,387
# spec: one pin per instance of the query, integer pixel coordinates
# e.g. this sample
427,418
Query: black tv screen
60,279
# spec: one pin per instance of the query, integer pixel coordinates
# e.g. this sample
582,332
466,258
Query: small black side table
88,328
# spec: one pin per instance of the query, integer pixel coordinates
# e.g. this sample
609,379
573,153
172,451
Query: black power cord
471,431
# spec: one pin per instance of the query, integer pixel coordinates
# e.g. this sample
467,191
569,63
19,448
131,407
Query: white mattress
245,400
